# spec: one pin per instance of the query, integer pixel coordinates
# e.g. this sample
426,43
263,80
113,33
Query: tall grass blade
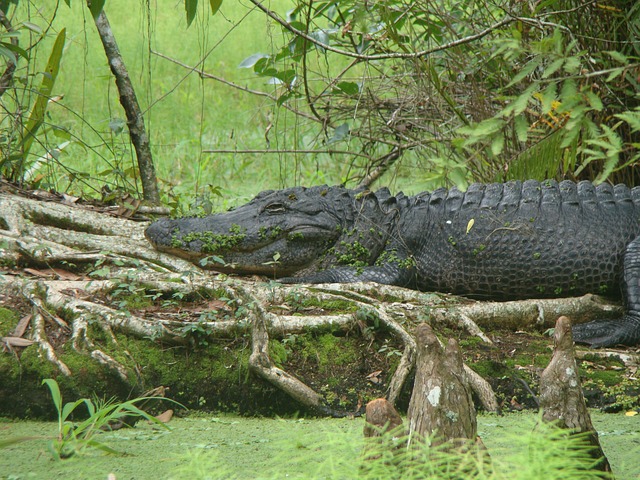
55,393
7,442
44,93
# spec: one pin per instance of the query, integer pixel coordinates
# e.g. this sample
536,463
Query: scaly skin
497,241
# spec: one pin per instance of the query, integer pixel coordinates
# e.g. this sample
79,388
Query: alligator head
277,233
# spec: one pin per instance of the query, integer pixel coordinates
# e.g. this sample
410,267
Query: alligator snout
159,232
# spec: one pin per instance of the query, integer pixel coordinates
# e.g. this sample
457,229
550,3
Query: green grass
235,447
185,114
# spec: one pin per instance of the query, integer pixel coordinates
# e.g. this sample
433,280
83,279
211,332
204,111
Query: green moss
328,350
352,254
295,236
8,320
470,342
390,256
41,218
489,368
211,242
265,233
531,357
277,352
609,361
607,377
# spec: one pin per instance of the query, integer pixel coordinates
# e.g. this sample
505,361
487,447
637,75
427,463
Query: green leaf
632,118
517,106
70,407
5,52
95,7
572,65
103,447
286,76
594,101
215,6
212,258
350,88
252,60
36,118
618,56
285,96
526,70
191,7
615,73
340,133
15,49
33,27
548,96
485,128
497,145
568,91
55,392
521,127
553,68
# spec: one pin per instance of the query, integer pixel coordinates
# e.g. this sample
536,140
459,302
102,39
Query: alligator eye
275,208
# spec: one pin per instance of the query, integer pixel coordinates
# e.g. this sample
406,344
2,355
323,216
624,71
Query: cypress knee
561,398
441,402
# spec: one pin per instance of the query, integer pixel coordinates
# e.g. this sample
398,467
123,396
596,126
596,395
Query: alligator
506,241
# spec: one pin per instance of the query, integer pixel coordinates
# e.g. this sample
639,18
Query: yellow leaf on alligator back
469,225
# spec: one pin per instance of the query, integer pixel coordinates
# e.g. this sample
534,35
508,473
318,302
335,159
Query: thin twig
211,76
505,21
292,151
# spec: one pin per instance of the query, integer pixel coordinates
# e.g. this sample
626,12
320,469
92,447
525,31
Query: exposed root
110,362
261,364
40,337
59,242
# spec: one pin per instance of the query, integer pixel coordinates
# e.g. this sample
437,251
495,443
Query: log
561,398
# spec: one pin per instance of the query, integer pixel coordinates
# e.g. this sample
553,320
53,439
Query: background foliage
412,94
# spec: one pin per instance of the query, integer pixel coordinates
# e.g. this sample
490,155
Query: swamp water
199,447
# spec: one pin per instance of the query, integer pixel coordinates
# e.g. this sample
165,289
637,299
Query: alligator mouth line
299,230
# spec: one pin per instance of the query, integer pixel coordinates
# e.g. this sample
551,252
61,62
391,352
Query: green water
236,447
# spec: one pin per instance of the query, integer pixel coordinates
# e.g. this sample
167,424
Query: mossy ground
348,368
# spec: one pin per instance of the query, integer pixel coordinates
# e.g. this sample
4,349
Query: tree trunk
561,398
129,102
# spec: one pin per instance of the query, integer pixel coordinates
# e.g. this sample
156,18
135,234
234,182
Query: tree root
58,239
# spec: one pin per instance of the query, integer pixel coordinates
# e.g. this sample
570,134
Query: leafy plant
22,94
489,90
74,438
